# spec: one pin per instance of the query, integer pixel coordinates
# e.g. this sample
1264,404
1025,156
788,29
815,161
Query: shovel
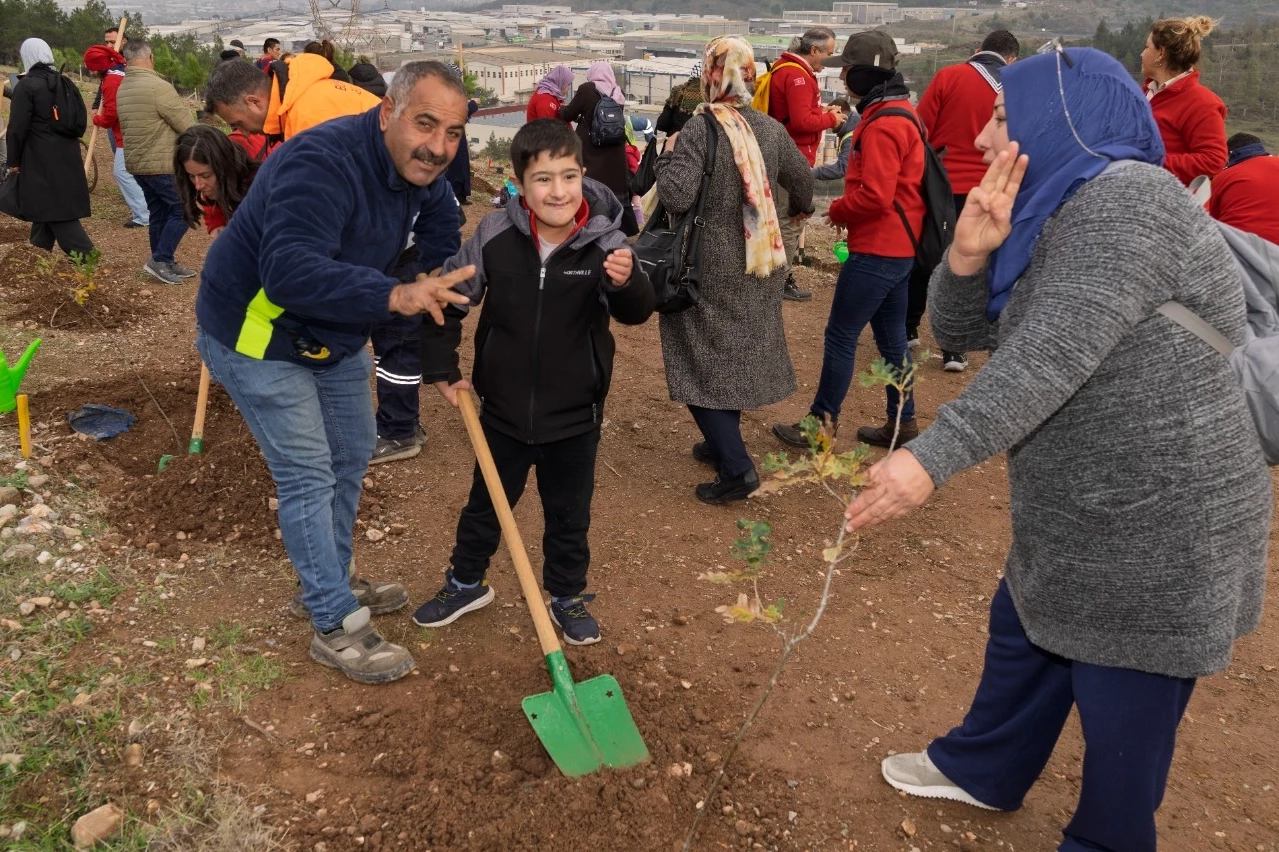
583,726
196,447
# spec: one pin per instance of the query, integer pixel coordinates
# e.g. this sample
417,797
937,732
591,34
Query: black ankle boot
728,490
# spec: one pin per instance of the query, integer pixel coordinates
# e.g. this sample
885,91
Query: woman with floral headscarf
1141,502
608,164
728,352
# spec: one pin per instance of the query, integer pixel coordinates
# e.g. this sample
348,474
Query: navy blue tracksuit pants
397,351
1129,721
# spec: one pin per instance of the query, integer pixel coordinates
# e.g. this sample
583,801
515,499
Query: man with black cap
882,199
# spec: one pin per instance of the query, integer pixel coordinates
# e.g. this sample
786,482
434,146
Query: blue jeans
167,226
315,428
129,189
870,289
1129,719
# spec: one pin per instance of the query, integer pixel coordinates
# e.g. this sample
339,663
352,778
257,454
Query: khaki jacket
151,117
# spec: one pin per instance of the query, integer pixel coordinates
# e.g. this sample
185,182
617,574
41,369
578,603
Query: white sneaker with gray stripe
917,775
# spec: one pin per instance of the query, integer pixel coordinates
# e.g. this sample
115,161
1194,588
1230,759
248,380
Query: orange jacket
312,98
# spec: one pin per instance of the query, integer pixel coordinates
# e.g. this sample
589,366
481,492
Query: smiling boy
554,266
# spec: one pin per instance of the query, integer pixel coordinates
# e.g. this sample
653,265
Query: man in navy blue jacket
288,295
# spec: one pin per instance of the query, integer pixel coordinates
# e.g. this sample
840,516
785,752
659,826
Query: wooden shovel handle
201,404
528,582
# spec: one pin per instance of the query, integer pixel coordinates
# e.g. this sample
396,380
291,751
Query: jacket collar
600,212
1177,84
1246,152
989,65
787,56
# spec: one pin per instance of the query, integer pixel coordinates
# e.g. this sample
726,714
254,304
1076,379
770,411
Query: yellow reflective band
255,333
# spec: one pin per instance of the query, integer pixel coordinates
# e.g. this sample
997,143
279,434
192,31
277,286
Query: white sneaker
915,774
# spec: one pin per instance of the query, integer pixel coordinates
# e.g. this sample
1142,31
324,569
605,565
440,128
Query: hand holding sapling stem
893,487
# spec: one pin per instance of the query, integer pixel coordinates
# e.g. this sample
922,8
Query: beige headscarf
728,76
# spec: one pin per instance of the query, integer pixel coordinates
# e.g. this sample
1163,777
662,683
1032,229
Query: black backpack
939,201
608,125
70,117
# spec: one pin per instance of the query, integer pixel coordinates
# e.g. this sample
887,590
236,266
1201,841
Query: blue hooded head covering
1106,118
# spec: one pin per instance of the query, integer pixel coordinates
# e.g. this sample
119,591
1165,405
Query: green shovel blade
584,726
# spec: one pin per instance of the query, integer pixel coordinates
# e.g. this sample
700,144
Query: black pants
565,482
723,433
70,236
630,225
397,350
919,283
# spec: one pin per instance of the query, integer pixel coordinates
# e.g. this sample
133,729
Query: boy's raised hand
618,266
430,294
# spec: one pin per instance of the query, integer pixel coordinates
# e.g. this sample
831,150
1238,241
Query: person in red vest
794,99
955,107
1243,194
882,187
1191,118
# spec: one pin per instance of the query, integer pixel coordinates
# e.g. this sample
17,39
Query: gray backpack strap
1196,325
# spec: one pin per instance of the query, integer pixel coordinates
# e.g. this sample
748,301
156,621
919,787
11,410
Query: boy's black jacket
543,351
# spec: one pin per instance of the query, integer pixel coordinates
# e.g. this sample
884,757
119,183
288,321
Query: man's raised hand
430,294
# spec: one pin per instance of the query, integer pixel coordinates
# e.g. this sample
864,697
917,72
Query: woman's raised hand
986,219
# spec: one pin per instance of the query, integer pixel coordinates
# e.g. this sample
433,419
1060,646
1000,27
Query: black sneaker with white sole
398,449
954,362
572,617
452,602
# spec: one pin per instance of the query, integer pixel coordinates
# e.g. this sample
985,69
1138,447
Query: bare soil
444,760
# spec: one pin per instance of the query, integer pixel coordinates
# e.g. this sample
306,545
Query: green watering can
11,377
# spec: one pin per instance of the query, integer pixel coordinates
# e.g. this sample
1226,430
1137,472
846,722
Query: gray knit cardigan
1141,502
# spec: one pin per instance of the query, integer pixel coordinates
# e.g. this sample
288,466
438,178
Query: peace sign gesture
986,219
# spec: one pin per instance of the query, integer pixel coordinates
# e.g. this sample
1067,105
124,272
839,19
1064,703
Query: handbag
669,249
9,196
645,174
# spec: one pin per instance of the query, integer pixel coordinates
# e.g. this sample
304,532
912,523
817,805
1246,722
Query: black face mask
860,79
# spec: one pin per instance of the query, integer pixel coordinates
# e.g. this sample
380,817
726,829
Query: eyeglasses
1055,45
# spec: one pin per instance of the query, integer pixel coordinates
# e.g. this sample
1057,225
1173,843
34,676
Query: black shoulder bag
669,249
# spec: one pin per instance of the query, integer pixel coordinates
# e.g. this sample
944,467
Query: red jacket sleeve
1204,131
804,112
870,189
108,117
213,218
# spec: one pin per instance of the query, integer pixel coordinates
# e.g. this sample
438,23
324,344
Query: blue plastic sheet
100,421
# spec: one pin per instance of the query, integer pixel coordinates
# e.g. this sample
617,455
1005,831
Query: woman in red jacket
552,91
218,170
1191,119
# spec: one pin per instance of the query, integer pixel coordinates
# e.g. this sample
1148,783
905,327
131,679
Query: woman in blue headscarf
1140,498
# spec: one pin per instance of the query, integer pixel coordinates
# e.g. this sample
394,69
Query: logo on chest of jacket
578,273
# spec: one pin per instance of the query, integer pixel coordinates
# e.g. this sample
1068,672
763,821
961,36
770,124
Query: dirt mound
479,186
40,287
456,791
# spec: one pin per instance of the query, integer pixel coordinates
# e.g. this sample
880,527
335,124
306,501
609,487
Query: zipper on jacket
537,333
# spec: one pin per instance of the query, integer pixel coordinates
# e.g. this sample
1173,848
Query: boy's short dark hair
1004,43
1241,139
270,43
543,136
842,103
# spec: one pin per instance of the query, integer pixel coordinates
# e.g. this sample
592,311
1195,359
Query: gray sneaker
398,449
181,271
915,774
160,271
358,651
380,598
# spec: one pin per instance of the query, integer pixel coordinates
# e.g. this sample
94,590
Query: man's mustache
431,159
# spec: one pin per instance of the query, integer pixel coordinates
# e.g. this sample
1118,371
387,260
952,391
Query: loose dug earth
412,765
37,288
220,496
